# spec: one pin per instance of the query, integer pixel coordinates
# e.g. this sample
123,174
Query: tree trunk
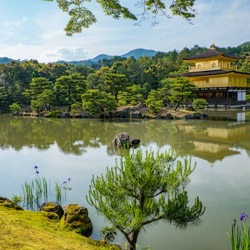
116,97
176,106
133,240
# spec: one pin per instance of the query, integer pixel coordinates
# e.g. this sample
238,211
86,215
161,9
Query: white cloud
66,53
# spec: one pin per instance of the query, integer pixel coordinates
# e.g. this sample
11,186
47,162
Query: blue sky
33,29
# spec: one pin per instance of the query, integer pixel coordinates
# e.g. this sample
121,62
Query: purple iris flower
69,179
36,167
243,216
64,182
37,172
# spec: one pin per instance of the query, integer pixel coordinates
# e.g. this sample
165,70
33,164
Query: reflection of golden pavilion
214,143
216,78
212,151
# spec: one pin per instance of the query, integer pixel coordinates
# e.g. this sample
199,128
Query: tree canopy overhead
82,17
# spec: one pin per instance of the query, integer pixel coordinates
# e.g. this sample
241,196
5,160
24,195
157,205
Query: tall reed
37,191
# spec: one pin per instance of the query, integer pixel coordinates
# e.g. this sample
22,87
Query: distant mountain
137,53
5,60
100,57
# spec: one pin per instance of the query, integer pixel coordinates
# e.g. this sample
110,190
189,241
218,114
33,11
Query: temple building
216,79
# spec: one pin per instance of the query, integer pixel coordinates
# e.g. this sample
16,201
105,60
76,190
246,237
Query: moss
52,216
49,208
22,229
10,205
76,218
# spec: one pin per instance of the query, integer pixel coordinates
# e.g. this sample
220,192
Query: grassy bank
20,229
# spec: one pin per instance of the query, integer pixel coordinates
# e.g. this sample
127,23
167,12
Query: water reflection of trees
75,136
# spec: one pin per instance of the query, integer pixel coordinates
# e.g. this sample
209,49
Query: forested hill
136,53
136,79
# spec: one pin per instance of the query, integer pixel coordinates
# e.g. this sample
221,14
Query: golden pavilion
216,78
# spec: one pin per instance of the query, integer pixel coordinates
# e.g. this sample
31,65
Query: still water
81,148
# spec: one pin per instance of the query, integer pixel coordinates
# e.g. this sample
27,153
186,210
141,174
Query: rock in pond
123,140
52,207
77,219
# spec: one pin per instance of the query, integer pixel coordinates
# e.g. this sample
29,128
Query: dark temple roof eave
210,54
207,73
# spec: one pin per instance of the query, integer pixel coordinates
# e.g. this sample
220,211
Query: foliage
108,233
181,90
115,83
153,104
14,107
142,190
81,17
54,114
248,97
240,237
16,199
157,99
199,103
3,96
96,102
71,88
76,107
30,80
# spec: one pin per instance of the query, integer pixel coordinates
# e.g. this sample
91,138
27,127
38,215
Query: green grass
20,229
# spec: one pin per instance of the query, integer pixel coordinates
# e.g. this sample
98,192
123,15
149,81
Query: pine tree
143,190
181,90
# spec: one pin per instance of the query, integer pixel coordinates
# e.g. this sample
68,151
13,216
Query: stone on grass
5,202
76,218
53,207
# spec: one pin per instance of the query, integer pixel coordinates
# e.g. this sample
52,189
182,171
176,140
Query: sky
33,29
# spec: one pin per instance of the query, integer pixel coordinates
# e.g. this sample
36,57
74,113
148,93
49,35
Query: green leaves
71,88
97,102
143,189
181,90
81,17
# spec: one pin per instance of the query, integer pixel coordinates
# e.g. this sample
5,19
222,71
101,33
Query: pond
78,149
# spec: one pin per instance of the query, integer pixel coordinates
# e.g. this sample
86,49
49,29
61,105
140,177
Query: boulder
51,216
140,106
134,142
136,114
52,207
5,202
197,115
77,219
188,116
159,116
169,116
83,114
123,112
189,108
123,140
64,115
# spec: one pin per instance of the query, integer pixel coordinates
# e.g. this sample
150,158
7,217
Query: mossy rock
51,216
11,205
77,219
52,207
5,202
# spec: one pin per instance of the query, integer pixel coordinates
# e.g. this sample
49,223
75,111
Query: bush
54,114
14,107
199,103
